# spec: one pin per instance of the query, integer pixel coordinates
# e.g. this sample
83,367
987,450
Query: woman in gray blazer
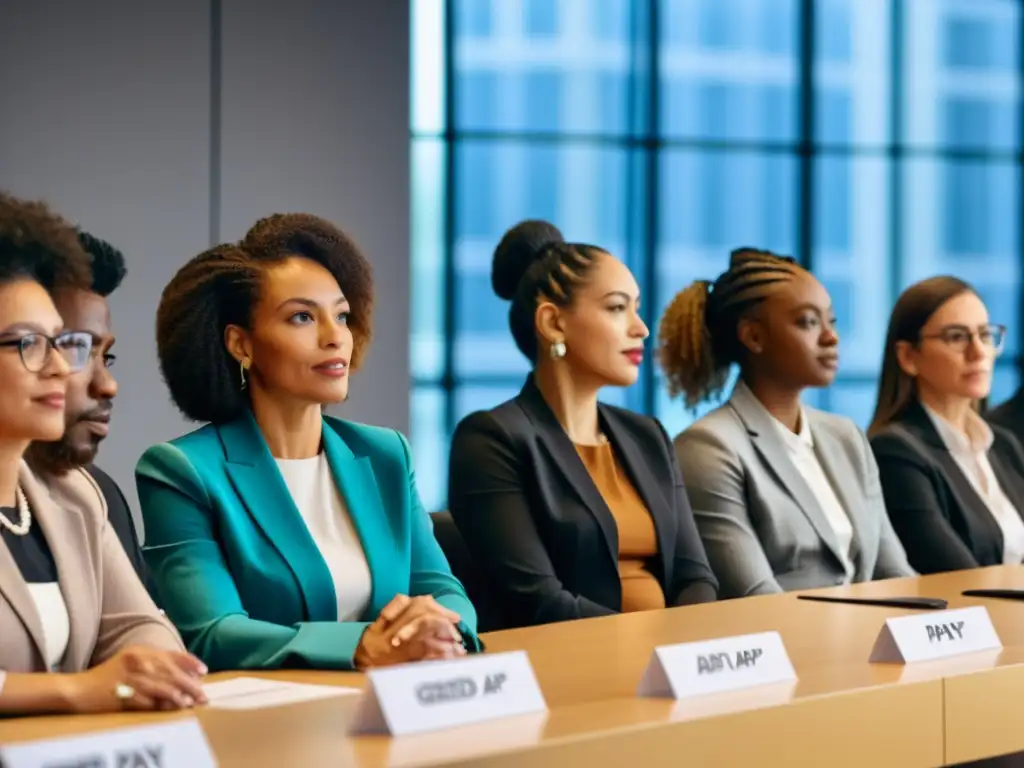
78,631
785,497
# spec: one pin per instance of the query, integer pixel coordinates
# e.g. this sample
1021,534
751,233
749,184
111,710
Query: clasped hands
410,629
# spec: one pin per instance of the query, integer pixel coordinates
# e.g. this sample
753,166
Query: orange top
638,542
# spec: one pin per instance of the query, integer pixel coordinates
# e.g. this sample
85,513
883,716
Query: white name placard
429,696
927,636
178,744
713,666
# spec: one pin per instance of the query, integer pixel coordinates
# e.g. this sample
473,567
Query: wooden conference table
842,711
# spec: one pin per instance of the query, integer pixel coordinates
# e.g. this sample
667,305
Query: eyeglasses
75,347
959,337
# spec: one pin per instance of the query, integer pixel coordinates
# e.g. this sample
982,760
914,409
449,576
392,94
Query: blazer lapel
563,452
917,421
262,489
775,456
357,482
15,592
73,570
845,484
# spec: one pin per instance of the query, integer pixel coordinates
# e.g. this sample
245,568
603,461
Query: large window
878,141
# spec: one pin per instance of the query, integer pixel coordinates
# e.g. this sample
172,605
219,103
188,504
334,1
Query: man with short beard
91,392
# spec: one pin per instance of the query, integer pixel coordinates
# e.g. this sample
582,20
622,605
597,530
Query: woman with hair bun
572,508
786,497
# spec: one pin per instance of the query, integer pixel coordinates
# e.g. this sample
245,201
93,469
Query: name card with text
928,636
713,666
429,696
171,745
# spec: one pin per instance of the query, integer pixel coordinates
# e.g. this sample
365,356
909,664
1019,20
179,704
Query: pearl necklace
23,525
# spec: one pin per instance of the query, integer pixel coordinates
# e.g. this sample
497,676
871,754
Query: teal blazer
238,572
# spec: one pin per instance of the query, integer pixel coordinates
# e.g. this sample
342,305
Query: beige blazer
108,608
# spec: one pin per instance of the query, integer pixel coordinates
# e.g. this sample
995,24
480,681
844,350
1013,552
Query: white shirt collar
977,440
794,441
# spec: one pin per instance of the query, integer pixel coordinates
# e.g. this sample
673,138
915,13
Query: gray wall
160,126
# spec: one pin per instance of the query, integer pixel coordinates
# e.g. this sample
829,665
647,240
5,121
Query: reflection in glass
852,72
429,443
961,69
729,69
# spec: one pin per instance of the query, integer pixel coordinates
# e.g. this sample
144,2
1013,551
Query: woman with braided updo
786,497
572,508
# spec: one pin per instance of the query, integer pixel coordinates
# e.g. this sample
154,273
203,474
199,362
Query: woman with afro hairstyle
786,497
78,632
572,508
278,536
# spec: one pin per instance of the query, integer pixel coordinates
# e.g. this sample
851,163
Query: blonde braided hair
697,341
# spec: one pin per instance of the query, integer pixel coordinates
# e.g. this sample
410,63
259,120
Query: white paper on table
255,692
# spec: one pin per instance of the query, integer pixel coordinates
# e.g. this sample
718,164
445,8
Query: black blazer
538,528
942,521
120,518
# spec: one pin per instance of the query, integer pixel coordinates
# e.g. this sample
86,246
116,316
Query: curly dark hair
108,267
220,287
531,264
38,244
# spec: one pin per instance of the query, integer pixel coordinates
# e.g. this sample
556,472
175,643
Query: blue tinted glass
543,93
967,42
966,120
834,118
540,17
979,122
834,41
476,104
609,19
717,108
473,18
777,26
611,97
478,309
542,182
967,200
475,171
717,200
716,27
429,443
778,112
777,200
834,210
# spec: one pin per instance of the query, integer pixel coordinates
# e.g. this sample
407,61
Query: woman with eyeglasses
78,631
953,485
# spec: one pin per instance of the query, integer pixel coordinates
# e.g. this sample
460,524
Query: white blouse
326,516
53,616
800,447
970,451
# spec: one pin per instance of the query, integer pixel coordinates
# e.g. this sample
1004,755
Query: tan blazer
108,608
